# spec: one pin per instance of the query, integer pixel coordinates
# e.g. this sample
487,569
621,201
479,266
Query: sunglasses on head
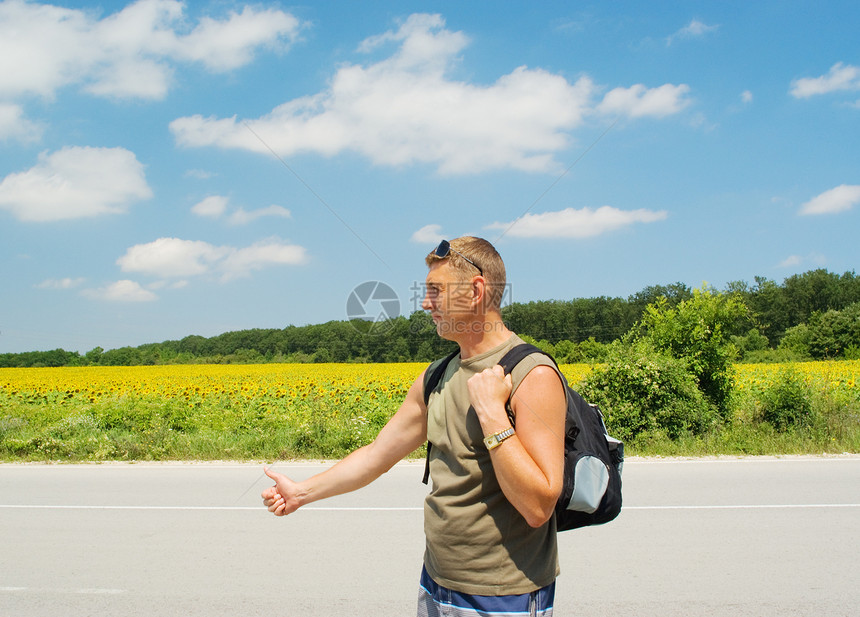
445,248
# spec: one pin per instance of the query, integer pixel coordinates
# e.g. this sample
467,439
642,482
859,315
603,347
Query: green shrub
786,403
644,391
773,356
698,331
796,340
592,351
750,343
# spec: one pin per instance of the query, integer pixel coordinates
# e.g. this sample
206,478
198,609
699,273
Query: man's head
469,257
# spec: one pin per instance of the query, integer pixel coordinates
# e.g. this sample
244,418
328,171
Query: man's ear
479,291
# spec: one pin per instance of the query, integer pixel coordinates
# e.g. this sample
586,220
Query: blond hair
484,257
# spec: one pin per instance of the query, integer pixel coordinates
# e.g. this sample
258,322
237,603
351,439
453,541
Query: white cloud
213,206
243,217
176,258
406,109
199,174
692,30
75,182
429,234
172,257
63,283
791,261
839,199
130,53
230,44
794,261
131,78
168,284
746,96
840,77
573,223
638,101
13,125
121,291
241,262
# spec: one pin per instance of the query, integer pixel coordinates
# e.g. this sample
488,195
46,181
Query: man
491,539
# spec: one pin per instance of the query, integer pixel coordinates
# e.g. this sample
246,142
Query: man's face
448,298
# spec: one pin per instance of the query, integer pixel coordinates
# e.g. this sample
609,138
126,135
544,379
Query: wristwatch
496,439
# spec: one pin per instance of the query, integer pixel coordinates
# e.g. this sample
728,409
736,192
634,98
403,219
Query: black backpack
593,460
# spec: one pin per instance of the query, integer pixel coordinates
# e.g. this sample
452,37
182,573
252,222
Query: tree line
812,315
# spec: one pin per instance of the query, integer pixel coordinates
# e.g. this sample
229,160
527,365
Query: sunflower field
282,411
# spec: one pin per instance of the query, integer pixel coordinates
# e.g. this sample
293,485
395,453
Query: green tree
674,294
768,304
811,292
833,332
94,355
698,331
124,356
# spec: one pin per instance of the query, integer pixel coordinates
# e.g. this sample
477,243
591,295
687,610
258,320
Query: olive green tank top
477,542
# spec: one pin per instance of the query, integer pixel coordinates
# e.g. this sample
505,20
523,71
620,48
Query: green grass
152,429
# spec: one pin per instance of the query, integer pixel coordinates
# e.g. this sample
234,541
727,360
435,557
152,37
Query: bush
773,356
592,350
750,343
642,390
568,352
796,340
786,404
698,331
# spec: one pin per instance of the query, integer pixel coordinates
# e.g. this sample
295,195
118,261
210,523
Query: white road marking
406,509
746,506
205,508
93,591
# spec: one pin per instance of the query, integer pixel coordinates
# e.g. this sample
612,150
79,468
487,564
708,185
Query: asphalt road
756,536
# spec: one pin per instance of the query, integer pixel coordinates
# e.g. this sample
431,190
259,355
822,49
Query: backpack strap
435,372
518,353
514,356
432,377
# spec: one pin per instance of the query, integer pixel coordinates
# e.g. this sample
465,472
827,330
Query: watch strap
496,439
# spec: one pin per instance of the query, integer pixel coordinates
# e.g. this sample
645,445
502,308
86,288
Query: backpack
591,492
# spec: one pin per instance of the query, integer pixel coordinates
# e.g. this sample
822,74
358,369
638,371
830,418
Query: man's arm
530,465
402,434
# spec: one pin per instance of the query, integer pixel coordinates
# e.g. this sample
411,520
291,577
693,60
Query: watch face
495,439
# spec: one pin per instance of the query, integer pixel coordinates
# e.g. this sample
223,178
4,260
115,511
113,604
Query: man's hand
489,392
282,498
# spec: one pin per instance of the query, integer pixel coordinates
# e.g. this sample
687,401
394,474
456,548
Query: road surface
751,536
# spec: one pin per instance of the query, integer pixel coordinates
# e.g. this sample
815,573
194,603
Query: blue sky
169,169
